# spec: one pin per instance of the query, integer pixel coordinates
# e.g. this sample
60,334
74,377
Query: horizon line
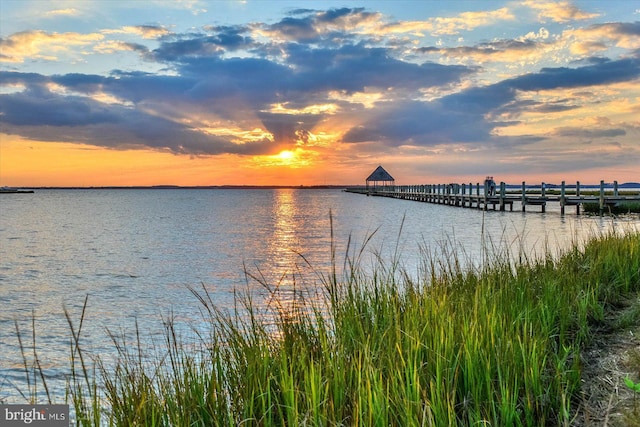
257,186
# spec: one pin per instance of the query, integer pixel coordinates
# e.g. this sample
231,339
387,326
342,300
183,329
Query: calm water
135,253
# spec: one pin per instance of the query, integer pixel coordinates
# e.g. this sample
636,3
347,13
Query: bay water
134,255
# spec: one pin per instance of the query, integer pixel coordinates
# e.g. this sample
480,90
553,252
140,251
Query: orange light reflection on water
292,290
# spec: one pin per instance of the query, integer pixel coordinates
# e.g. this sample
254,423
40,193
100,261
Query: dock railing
481,196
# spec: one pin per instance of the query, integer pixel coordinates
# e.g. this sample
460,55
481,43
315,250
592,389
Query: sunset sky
189,92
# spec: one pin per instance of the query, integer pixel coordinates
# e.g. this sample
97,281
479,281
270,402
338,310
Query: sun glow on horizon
286,155
291,159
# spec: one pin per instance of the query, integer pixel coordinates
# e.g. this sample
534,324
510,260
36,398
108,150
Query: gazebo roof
380,175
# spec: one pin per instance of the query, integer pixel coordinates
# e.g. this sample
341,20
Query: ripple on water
135,253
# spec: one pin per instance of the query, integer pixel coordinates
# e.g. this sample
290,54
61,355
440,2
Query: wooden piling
562,197
601,200
578,197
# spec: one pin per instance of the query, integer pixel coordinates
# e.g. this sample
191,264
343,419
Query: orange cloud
600,37
112,46
561,12
25,45
63,12
144,31
468,21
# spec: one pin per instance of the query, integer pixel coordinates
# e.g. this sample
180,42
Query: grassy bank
495,347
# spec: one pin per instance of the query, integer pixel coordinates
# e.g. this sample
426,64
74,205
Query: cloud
180,48
512,110
255,85
63,12
144,31
113,46
470,116
307,25
599,37
561,11
243,90
534,47
288,129
346,23
420,124
42,45
41,115
353,68
468,21
499,51
601,73
257,88
589,133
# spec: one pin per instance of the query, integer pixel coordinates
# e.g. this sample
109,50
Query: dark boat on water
9,190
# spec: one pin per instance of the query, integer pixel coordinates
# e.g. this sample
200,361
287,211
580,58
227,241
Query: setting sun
291,159
286,155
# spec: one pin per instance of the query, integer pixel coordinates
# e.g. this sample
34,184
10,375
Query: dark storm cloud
589,133
225,86
300,29
601,73
312,26
354,67
288,127
485,99
220,40
463,117
14,78
421,123
86,83
224,73
42,115
142,50
516,108
171,51
487,49
42,108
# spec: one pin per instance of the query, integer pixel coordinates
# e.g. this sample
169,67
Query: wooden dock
481,197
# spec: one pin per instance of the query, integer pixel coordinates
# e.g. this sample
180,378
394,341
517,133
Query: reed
620,208
495,346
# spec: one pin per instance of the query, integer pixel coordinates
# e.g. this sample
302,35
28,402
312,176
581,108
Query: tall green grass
620,208
494,347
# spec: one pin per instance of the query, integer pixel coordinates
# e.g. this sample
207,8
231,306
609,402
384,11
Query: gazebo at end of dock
380,178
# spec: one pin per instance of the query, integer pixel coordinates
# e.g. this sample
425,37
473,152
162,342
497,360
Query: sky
259,92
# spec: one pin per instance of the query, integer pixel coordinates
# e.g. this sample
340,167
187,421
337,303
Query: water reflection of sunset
286,252
283,242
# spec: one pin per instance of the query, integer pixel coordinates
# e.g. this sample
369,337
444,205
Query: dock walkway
477,196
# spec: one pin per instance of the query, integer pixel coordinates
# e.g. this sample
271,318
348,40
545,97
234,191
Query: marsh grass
36,382
620,208
498,345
